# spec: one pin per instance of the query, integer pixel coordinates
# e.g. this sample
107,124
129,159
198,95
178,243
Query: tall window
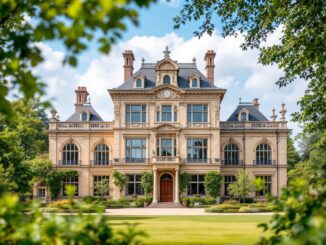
243,116
231,154
84,116
263,154
228,179
166,113
70,155
197,113
133,186
197,150
100,183
166,147
70,181
139,83
101,155
166,79
135,150
196,185
267,185
135,113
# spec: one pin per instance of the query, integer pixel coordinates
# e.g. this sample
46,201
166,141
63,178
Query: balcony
131,161
137,125
98,163
198,161
264,163
234,163
253,125
81,126
69,163
167,160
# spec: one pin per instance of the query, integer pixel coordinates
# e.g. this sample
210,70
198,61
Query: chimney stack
81,96
128,66
255,103
209,58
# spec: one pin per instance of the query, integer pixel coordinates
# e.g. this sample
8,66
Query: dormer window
166,79
84,116
243,117
195,83
139,82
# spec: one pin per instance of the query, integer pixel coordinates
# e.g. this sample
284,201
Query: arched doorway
166,188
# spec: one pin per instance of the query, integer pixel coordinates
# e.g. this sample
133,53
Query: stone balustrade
80,125
253,125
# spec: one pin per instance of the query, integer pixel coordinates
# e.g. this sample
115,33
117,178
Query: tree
213,183
292,154
300,51
184,182
102,187
147,182
243,186
75,24
119,180
6,183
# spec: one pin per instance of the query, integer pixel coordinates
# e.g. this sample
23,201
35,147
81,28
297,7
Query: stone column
176,199
155,185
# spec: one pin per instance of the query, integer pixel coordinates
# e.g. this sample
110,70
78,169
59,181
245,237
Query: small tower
81,96
283,112
128,66
209,58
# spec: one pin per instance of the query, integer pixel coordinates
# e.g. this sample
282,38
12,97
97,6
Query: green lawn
196,229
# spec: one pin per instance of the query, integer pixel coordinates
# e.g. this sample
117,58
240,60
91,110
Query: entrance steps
166,205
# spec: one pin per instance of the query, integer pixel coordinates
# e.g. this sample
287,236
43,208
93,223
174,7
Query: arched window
84,116
166,79
139,83
101,155
231,154
263,154
70,155
243,117
194,83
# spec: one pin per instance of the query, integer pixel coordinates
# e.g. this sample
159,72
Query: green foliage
213,183
201,200
184,182
6,183
119,180
18,228
55,178
299,52
243,185
102,187
147,182
75,24
292,154
259,184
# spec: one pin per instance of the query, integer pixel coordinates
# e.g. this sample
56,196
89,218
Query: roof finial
273,117
89,100
194,60
239,100
142,60
167,52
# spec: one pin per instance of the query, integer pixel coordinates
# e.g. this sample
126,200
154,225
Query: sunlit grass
197,230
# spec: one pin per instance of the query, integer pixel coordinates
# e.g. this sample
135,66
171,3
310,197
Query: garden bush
223,208
245,210
231,201
201,200
258,205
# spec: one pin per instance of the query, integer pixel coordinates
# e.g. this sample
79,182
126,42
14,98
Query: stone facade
167,121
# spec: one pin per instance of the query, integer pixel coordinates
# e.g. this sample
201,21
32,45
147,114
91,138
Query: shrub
232,202
272,208
258,205
213,183
61,204
140,202
147,182
207,200
244,210
223,208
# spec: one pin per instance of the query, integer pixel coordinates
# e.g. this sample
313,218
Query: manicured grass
196,230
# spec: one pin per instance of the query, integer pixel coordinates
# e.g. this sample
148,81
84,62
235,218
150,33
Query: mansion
167,122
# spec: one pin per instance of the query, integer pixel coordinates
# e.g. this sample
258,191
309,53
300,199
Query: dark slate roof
185,71
254,114
95,117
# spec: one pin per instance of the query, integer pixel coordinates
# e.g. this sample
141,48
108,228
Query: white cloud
171,3
235,70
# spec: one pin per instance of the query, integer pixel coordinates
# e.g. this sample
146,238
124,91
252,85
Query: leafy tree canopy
25,23
300,52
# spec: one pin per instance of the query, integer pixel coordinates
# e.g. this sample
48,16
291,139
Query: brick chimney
128,66
255,103
81,96
209,58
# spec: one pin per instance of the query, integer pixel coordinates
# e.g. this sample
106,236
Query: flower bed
234,207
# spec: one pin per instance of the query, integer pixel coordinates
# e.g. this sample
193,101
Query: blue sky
236,70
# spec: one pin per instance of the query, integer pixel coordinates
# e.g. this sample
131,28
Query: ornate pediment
166,128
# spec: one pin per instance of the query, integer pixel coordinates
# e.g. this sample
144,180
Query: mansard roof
254,114
186,70
86,107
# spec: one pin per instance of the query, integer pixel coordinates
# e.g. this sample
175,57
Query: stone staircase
166,205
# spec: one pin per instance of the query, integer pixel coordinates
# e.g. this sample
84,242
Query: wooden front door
166,188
